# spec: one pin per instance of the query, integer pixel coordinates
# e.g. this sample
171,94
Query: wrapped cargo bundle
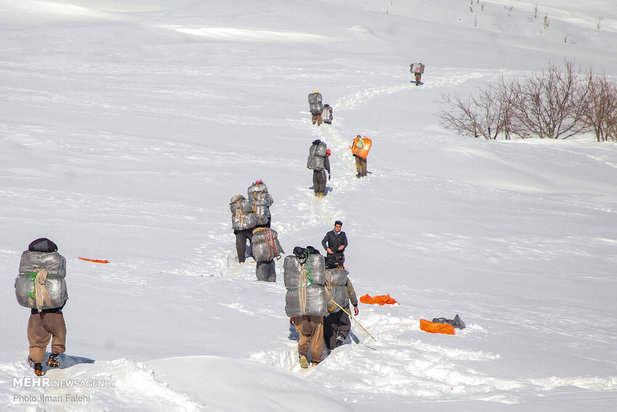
315,263
54,262
305,279
317,156
242,216
266,245
30,265
315,103
260,201
315,301
416,68
336,284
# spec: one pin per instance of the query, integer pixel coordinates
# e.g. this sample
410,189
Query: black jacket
333,241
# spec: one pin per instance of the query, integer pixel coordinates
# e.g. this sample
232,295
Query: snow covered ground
126,126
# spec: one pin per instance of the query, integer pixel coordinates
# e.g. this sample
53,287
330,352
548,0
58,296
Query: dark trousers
241,237
319,181
335,324
266,271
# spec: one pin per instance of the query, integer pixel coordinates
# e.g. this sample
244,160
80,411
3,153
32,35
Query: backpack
315,103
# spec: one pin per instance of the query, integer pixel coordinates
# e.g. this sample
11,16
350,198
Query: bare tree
548,104
601,107
485,114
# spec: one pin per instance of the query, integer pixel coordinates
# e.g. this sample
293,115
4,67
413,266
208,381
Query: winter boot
303,362
38,367
53,362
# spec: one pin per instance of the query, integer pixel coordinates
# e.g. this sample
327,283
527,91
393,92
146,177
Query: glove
292,321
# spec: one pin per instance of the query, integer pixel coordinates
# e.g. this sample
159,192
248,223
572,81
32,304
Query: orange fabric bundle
432,327
380,300
94,260
361,146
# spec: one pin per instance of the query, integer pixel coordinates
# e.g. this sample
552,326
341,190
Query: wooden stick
353,317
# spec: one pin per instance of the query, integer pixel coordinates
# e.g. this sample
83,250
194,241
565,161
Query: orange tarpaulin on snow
94,260
380,300
432,327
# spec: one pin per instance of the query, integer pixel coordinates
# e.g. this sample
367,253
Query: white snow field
127,125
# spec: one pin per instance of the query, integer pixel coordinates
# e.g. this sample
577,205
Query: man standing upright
335,243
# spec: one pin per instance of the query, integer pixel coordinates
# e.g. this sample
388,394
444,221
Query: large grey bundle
266,245
337,285
32,262
315,103
317,156
260,201
56,287
315,302
416,68
315,263
242,216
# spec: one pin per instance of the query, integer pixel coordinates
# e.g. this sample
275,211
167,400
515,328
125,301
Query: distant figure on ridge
315,107
417,69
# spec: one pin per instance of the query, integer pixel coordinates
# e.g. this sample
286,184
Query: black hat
42,245
316,141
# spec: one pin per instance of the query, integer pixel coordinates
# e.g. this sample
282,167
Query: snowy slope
126,126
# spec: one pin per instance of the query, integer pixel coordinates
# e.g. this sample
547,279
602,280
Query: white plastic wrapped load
416,68
53,262
266,245
315,103
336,284
317,156
242,216
315,266
307,301
260,201
55,285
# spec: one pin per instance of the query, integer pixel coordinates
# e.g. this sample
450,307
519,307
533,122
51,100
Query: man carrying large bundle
360,148
41,287
417,69
337,323
305,301
266,248
243,221
315,107
260,201
319,161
